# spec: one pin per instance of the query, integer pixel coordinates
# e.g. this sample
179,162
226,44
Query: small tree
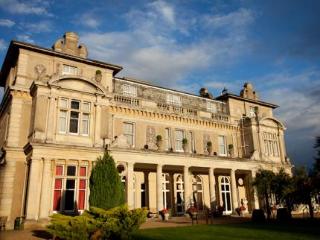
264,183
106,189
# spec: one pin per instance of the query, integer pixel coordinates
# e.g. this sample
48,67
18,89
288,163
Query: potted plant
184,144
165,214
159,141
209,147
98,76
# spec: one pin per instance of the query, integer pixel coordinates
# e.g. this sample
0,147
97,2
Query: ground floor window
179,194
197,192
166,190
70,188
225,194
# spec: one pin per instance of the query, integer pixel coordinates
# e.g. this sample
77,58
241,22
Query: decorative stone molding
69,45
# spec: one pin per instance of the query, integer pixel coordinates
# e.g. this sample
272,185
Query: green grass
296,230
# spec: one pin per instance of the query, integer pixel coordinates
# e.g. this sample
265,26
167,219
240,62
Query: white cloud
89,19
7,23
25,38
30,7
3,44
149,48
39,27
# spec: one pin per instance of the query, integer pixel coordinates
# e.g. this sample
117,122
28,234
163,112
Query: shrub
97,223
106,189
283,214
258,215
184,141
159,138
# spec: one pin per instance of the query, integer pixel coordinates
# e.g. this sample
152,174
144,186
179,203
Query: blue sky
190,44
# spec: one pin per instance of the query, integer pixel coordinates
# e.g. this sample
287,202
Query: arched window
179,194
166,190
225,194
197,192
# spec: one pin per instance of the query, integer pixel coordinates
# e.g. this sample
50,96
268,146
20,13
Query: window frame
72,70
176,140
225,153
133,133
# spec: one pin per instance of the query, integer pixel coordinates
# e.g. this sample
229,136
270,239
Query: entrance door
179,194
225,194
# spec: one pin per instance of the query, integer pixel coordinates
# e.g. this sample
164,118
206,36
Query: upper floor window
252,111
211,107
129,90
270,144
222,145
128,132
69,70
179,138
74,116
173,99
167,139
192,142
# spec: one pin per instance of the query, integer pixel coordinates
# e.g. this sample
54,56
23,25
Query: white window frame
133,134
212,107
167,139
69,70
81,112
176,145
174,100
224,145
129,90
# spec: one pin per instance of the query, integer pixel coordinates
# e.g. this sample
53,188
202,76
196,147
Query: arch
275,120
197,191
79,78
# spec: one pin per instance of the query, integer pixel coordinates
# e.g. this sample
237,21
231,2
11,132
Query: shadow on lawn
41,234
299,226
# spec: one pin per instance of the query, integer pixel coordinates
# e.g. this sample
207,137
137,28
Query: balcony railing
220,117
127,100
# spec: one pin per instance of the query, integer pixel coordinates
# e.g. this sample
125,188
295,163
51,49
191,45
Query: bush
283,215
258,215
116,223
106,189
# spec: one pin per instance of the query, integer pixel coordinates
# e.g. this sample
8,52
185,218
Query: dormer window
173,100
69,70
211,107
129,90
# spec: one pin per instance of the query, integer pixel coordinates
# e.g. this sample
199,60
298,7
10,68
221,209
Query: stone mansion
173,149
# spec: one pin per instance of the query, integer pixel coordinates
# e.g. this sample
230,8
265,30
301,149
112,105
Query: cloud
25,38
89,19
149,48
7,23
39,27
3,45
31,7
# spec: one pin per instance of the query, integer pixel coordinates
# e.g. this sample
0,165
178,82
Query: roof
12,54
231,95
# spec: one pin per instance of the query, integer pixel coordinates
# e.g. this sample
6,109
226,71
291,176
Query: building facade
173,149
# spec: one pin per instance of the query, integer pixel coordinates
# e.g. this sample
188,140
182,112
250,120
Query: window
128,132
222,146
167,139
129,90
270,141
70,188
69,70
192,143
173,100
211,107
179,137
252,111
71,116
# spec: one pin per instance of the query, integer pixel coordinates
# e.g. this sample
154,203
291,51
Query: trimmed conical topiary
106,189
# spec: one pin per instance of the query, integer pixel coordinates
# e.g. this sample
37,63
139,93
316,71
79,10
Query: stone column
130,186
186,187
212,183
46,190
35,177
234,191
255,192
159,188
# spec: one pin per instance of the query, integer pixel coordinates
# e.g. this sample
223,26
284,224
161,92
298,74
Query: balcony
220,117
127,100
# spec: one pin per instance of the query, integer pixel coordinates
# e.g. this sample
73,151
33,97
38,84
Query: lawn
299,229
